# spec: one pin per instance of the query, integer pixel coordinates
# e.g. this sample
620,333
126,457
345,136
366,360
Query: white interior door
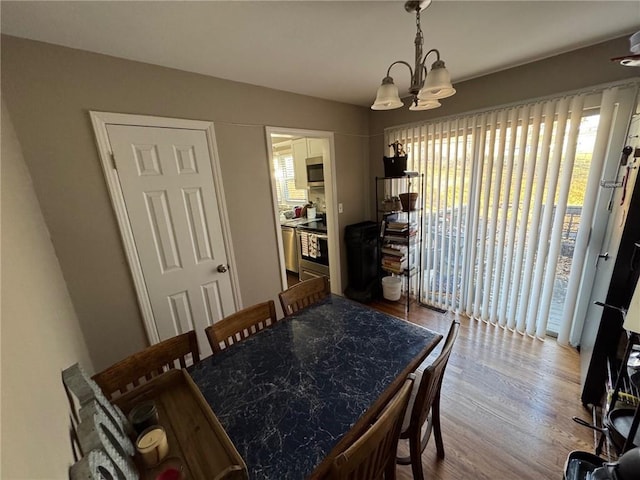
166,180
608,224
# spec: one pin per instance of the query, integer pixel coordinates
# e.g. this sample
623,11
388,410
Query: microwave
315,172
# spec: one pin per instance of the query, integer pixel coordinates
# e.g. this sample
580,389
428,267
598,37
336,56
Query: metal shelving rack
388,187
623,390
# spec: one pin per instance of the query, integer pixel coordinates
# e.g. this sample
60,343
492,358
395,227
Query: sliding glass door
509,203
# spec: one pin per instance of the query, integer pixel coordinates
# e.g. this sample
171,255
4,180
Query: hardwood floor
292,279
507,403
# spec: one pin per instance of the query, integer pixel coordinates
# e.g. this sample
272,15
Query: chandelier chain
426,87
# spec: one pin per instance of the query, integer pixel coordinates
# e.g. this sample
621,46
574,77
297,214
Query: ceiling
332,50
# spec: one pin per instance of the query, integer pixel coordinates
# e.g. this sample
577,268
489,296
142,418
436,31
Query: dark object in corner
362,261
395,166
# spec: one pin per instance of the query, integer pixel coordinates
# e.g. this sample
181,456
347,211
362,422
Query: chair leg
435,412
390,471
416,455
403,460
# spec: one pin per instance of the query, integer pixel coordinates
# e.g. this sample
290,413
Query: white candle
152,445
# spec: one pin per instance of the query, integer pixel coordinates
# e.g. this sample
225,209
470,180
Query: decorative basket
408,201
395,166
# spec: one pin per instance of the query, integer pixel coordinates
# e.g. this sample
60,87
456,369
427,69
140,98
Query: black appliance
362,260
586,466
313,249
315,171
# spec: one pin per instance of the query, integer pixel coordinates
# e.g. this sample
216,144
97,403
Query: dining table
293,396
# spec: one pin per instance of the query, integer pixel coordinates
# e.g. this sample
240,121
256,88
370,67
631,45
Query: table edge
374,410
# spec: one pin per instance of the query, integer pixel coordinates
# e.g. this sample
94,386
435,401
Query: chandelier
426,88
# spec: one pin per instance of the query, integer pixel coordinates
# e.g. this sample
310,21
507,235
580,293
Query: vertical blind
496,235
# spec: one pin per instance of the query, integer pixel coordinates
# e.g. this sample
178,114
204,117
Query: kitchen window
285,181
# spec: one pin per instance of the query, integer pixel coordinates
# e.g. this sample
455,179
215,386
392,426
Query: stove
294,222
313,249
318,226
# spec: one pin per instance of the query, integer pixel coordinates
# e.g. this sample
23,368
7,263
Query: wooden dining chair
426,407
304,294
148,363
373,455
241,325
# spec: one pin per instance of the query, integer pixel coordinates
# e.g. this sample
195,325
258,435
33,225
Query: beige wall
41,334
354,179
49,91
571,71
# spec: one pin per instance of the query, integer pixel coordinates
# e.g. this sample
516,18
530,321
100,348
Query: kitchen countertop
294,222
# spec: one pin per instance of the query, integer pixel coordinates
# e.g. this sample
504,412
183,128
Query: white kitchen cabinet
300,154
303,148
314,147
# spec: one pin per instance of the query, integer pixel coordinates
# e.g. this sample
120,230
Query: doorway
166,189
306,203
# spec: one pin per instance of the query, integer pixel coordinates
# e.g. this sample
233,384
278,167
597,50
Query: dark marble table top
287,395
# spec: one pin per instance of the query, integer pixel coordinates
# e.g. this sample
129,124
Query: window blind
285,176
508,204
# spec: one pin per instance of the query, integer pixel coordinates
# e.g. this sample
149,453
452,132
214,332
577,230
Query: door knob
604,255
222,268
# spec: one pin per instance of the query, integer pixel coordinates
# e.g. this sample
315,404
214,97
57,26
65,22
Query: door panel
608,222
169,193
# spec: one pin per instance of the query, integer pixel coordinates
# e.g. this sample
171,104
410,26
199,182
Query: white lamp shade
632,318
437,84
387,97
424,105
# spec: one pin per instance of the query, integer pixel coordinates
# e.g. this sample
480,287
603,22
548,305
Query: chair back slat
373,455
425,409
304,294
431,381
241,325
147,364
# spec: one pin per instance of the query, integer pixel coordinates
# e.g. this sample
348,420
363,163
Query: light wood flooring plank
507,403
